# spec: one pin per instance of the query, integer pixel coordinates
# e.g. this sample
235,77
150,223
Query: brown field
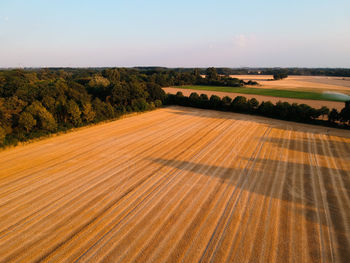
302,83
179,184
260,98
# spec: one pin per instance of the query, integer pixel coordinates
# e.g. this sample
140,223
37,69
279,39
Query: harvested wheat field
302,83
179,184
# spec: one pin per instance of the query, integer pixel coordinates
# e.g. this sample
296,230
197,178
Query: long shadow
296,145
235,176
299,187
284,125
215,114
280,124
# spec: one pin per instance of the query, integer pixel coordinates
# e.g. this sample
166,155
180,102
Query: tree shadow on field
333,148
276,123
215,114
302,187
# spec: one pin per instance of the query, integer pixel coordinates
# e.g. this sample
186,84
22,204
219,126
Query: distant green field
269,92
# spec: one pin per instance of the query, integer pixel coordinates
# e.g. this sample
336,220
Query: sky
181,33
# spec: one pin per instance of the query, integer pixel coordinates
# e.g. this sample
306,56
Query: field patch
282,93
179,184
302,83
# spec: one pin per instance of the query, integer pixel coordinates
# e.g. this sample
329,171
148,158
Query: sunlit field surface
319,84
179,184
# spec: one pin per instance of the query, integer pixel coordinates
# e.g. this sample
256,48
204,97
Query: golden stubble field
179,184
302,83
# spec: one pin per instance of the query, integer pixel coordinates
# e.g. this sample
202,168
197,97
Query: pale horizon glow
180,33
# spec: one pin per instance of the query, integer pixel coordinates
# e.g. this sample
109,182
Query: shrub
139,104
215,102
239,104
158,103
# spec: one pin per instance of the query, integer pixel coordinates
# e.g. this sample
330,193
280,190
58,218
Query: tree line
339,72
37,102
281,110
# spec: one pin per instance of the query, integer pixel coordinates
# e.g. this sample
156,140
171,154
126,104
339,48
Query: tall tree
345,113
333,116
74,112
211,74
88,113
26,121
44,118
2,135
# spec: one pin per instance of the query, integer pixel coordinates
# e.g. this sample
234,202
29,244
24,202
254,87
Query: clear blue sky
191,33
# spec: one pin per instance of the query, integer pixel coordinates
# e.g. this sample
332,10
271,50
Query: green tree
194,96
253,103
103,110
49,103
137,90
74,112
88,113
239,104
26,121
194,99
266,108
10,108
333,115
280,75
211,74
44,118
139,104
13,106
282,110
98,81
158,103
2,135
109,111
120,94
226,100
47,121
112,74
196,72
345,113
204,97
155,91
215,102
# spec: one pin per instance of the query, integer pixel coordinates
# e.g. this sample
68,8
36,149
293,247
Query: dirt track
179,184
260,98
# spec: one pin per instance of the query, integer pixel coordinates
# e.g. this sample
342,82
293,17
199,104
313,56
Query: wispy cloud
4,18
243,41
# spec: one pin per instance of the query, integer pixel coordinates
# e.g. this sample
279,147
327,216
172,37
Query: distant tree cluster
280,110
209,77
335,72
212,78
340,72
279,74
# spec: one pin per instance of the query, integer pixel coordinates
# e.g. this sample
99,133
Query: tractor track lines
178,185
